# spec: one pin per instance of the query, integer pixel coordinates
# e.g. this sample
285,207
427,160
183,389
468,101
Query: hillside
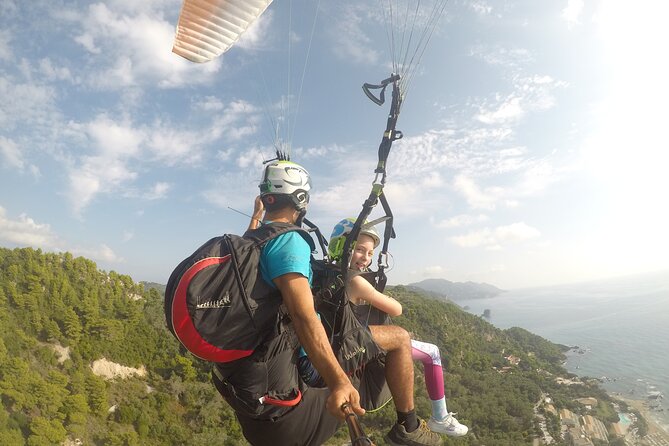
85,355
152,285
456,291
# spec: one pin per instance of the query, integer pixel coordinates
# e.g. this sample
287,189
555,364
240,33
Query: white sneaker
449,426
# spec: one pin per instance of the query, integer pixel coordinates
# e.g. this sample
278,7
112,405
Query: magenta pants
428,354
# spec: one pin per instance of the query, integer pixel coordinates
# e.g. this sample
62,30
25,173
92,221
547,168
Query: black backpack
216,302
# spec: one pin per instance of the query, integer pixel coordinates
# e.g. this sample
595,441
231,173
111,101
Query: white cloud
459,221
476,151
417,155
132,46
238,120
478,198
158,191
173,146
572,12
480,7
51,72
25,102
533,93
434,270
536,177
511,58
339,181
509,110
253,156
127,236
88,41
113,139
224,155
210,103
516,232
255,36
529,93
5,47
145,6
26,232
494,239
11,155
112,145
319,152
474,239
94,175
100,253
432,180
333,203
350,42
423,165
234,189
115,151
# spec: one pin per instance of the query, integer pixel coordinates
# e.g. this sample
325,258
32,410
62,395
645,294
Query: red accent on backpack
183,324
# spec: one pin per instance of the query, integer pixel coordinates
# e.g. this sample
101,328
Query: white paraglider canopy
208,28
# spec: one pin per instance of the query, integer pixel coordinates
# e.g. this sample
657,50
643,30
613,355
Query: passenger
361,292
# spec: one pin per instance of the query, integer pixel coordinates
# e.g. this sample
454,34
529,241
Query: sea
620,328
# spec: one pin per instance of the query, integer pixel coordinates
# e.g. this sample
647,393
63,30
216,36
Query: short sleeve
288,253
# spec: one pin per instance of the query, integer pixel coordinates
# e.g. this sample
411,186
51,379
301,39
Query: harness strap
367,87
389,136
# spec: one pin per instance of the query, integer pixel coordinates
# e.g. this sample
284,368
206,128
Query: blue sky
535,149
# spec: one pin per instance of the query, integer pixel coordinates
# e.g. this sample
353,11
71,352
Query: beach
657,436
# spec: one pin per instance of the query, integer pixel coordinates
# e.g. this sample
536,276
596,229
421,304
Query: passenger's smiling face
362,253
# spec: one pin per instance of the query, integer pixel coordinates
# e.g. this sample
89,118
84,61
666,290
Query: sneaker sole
448,433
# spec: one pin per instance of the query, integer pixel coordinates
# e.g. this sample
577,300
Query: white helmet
341,230
287,178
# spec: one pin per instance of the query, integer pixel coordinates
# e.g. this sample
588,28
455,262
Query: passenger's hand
341,394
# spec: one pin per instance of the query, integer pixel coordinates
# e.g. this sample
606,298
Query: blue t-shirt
288,253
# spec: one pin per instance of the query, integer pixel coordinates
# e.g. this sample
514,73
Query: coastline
654,428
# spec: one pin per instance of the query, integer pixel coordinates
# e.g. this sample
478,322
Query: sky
534,149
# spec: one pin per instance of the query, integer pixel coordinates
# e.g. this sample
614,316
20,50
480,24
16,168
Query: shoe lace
424,430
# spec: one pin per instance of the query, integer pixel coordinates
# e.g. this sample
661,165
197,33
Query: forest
59,314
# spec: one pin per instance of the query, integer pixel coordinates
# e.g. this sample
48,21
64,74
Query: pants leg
428,354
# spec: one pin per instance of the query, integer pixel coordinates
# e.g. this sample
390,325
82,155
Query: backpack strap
269,231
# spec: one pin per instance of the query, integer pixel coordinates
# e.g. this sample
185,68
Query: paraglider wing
208,28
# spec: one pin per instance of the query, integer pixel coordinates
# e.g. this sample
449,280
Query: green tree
3,351
12,437
75,408
52,330
44,432
96,389
184,367
73,328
